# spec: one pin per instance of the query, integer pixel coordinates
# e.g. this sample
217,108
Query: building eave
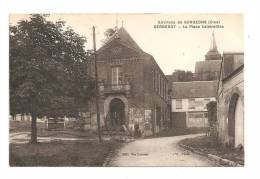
233,73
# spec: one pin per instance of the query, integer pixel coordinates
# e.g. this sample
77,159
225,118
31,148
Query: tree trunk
33,130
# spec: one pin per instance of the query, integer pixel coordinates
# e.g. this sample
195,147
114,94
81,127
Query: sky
172,48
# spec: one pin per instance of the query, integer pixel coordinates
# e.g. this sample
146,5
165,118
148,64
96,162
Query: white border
252,63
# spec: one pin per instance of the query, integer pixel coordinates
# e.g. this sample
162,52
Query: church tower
208,69
213,53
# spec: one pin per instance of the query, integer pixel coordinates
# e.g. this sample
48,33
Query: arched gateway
235,121
116,111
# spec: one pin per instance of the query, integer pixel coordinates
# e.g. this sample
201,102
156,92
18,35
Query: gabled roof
122,45
122,37
194,89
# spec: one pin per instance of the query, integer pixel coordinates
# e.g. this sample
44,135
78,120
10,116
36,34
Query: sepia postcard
126,90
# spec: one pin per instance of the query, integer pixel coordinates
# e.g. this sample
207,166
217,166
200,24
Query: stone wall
232,86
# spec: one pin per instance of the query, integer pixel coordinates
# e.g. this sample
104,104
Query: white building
189,103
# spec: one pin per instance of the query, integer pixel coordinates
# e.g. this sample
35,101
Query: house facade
132,88
189,103
230,100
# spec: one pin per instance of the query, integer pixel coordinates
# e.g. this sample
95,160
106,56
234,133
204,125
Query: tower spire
213,45
213,53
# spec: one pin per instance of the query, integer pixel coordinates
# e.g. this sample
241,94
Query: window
114,75
120,77
158,83
178,104
163,89
155,80
167,92
153,73
191,103
117,75
160,87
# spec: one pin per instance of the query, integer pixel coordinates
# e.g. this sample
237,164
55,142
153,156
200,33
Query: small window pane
178,104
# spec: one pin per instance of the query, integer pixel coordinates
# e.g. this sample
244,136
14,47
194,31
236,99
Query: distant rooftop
233,52
194,89
232,61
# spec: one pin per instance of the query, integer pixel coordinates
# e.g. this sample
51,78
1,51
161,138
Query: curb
218,159
108,159
112,154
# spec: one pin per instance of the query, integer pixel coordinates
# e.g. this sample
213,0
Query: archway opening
232,119
117,112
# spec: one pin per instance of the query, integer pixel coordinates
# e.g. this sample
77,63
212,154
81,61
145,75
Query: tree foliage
108,34
212,118
48,69
181,76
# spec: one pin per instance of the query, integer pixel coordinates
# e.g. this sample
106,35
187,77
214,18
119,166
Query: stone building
133,88
230,100
189,103
208,69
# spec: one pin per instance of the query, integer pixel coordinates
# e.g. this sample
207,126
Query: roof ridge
233,52
193,81
125,37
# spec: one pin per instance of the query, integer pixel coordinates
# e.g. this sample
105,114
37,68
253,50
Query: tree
48,70
108,34
212,118
181,75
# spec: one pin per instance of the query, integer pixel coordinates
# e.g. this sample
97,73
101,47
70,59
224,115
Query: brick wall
137,72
